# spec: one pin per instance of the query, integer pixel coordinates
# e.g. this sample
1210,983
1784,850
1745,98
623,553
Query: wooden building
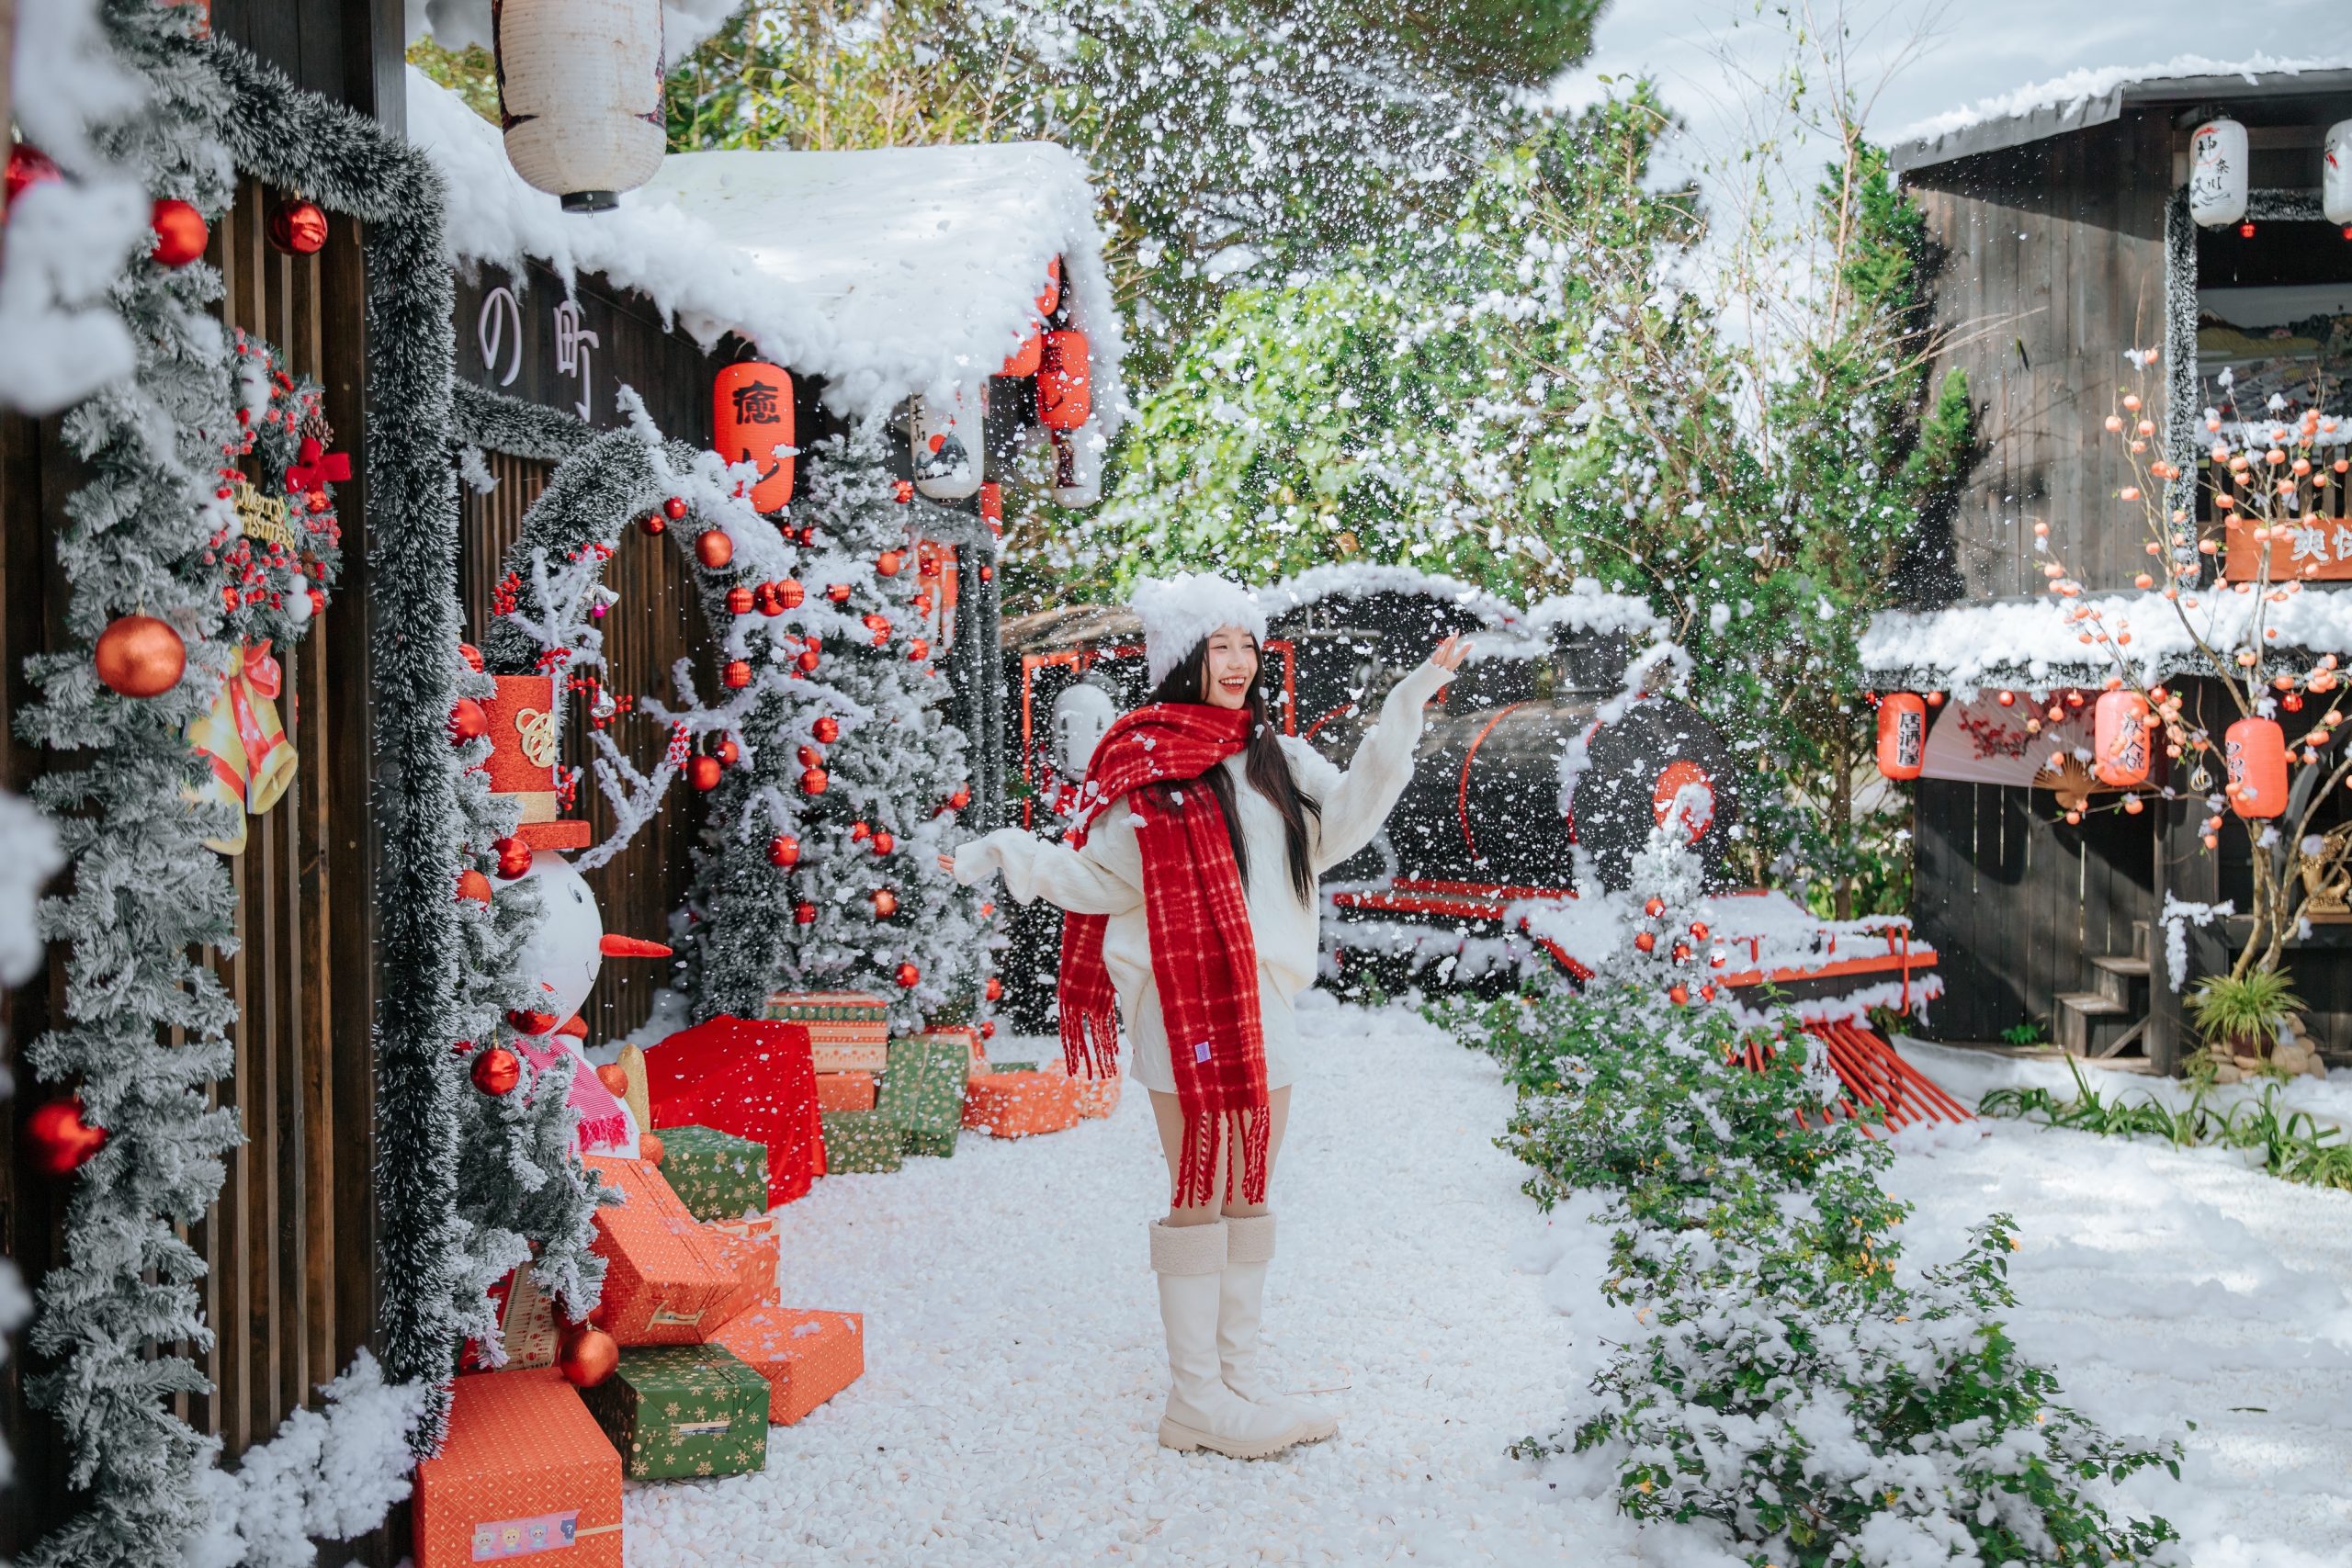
2065,241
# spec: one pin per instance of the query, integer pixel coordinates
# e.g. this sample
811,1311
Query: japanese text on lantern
2316,548
757,403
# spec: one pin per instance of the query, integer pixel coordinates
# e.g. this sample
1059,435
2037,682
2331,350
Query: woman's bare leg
1170,1118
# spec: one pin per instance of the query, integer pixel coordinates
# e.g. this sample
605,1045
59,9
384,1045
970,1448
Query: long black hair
1262,764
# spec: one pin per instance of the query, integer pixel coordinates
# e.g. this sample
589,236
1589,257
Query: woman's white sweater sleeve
1357,802
1103,878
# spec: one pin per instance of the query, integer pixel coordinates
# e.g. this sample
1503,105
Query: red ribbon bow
317,467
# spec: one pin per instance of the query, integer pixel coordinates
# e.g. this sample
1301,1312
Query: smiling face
1232,665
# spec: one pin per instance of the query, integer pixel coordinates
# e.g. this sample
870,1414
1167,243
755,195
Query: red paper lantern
1049,297
804,913
907,977
1023,361
140,656
1902,735
2119,744
2254,750
297,227
715,548
827,728
497,1070
62,1141
737,674
813,781
784,852
1065,382
588,1355
467,721
473,884
789,593
886,903
751,416
740,599
703,773
180,232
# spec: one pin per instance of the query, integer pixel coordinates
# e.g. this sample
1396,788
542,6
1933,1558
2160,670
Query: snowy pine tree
818,865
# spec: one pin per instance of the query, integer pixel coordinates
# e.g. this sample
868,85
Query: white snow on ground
2164,1284
1014,1368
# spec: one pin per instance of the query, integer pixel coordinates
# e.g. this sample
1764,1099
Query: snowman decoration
565,954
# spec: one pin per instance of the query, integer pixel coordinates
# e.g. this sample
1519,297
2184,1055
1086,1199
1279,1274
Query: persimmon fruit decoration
2254,750
1902,735
2119,742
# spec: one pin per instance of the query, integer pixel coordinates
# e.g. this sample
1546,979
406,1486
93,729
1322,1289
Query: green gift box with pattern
922,1088
716,1175
682,1410
938,1146
860,1141
1014,1066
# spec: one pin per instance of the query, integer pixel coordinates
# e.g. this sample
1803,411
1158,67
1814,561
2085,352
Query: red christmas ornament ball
703,773
62,1141
838,593
860,831
513,858
827,729
29,166
715,548
180,232
907,977
1682,952
653,525
1644,941
739,600
497,1070
614,1076
804,913
884,843
674,509
813,781
588,1356
473,884
471,655
809,757
960,799
994,989
140,656
784,852
987,1028
808,659
886,903
737,674
298,228
789,593
467,721
523,1020
727,752
1679,995
888,562
1655,907
918,650
648,1148
1698,930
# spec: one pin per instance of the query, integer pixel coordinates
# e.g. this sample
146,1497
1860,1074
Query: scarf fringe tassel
1203,1157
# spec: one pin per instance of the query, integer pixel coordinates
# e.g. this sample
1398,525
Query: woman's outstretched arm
1355,803
1103,878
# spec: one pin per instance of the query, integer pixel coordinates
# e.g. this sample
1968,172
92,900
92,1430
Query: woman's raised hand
947,863
1451,653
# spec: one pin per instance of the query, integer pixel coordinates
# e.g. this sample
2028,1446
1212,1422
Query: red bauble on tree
654,525
715,548
473,884
523,1021
810,757
860,831
727,751
61,1140
808,659
497,1070
804,913
784,852
838,593
907,977
827,729
883,843
1655,907
740,599
790,594
614,1076
703,773
587,1357
29,166
297,227
886,903
140,656
960,799
467,721
994,989
513,857
888,562
813,781
674,509
180,233
736,675
918,650
1645,942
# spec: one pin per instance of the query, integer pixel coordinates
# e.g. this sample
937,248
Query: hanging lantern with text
580,95
2336,174
1902,735
947,466
1078,467
2119,742
1065,382
2255,749
751,417
2217,173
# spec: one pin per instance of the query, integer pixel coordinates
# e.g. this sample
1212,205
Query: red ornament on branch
63,1142
960,799
588,1355
827,728
804,913
860,831
297,227
513,858
467,721
473,884
727,751
907,977
180,232
1645,942
653,525
703,773
884,843
789,593
140,656
784,852
614,1076
740,599
715,548
808,659
29,166
888,562
918,650
497,1070
674,509
737,674
813,781
838,593
886,903
994,989
523,1020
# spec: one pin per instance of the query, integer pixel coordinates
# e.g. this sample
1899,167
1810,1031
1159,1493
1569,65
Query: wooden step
2088,1023
2122,979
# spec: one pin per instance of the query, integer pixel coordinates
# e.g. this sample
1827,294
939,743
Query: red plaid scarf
1203,958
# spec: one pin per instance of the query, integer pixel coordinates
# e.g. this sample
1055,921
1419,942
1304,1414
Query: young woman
1189,889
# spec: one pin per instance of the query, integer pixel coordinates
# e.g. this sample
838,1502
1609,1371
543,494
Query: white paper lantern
579,93
1083,715
2217,173
944,435
2336,174
1078,466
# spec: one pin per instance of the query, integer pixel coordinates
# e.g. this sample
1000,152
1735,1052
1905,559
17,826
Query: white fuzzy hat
1179,613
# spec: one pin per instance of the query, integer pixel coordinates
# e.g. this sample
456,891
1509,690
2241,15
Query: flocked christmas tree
819,867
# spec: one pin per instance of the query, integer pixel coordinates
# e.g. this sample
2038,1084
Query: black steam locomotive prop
1537,772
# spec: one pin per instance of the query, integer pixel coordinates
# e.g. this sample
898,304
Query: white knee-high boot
1249,1249
1203,1413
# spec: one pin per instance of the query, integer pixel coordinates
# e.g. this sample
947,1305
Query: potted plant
2239,1015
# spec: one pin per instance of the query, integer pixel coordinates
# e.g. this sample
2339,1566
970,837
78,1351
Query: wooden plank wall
2052,264
290,1293
656,621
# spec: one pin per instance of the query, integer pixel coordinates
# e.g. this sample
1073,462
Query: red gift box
1098,1097
754,1258
526,1472
806,1356
1015,1105
666,1280
750,1078
845,1091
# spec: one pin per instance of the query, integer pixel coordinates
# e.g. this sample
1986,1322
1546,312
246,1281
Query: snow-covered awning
897,271
2031,645
2083,99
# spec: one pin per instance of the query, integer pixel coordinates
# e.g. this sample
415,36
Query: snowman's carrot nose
631,947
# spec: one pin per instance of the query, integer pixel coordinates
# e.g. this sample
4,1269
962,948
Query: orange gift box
666,1280
1098,1097
527,1473
754,1258
806,1356
1015,1105
845,1091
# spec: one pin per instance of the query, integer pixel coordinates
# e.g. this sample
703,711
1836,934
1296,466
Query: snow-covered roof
890,272
2031,645
2083,99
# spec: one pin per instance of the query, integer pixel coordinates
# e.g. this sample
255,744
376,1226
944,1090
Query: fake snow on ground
1015,1369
